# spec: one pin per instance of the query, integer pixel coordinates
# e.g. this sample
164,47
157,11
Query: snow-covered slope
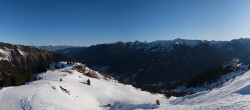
224,79
48,94
232,95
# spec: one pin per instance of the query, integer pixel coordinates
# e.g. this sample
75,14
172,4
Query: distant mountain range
160,62
55,47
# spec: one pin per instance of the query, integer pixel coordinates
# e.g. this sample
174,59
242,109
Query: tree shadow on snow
244,91
188,97
83,82
124,106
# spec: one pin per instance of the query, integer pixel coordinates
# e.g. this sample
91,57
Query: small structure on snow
157,102
88,82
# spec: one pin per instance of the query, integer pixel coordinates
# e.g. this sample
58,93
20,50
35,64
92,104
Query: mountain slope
233,95
160,62
46,94
104,94
18,63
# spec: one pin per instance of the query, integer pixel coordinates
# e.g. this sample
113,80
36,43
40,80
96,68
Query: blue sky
88,22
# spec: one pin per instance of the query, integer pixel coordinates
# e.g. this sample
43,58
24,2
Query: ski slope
46,94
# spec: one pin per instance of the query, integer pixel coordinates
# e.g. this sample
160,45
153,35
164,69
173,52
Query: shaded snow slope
46,94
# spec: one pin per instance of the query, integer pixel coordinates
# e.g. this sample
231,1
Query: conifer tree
56,67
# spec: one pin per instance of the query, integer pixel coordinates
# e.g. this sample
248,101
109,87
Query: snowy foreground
46,94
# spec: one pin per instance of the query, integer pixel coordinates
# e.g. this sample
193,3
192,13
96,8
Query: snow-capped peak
169,43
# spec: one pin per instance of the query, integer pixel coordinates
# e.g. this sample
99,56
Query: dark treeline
20,69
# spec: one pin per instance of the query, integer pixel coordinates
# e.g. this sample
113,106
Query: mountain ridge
19,63
159,61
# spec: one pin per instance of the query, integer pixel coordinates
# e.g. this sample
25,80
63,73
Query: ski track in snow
27,99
